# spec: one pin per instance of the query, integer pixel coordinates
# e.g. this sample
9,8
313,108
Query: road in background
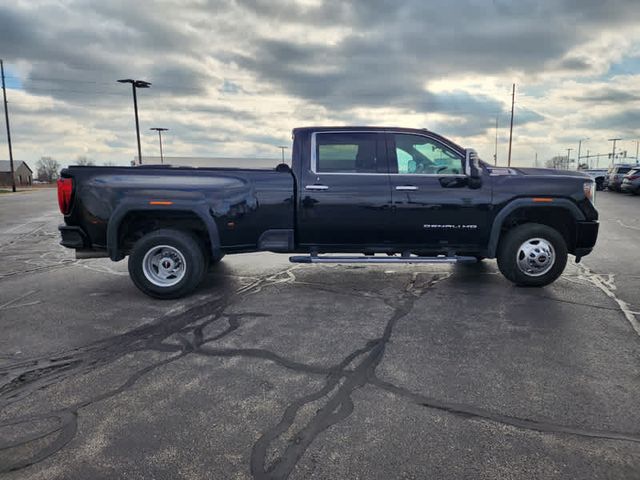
19,211
273,370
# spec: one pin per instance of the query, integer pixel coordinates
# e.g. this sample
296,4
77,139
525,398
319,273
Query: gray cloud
607,95
575,64
626,122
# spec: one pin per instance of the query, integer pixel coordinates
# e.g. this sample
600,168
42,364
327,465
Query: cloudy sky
233,77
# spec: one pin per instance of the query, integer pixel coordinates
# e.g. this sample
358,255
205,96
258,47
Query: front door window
416,154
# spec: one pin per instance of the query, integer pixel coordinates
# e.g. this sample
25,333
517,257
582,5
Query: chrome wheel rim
535,257
164,266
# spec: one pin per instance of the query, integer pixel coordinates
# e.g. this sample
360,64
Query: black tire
188,247
509,252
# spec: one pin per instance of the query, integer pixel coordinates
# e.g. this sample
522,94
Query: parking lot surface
274,370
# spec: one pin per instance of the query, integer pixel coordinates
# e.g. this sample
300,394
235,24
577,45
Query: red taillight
65,190
634,177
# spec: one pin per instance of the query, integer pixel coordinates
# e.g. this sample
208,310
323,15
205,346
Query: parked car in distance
631,181
616,174
599,175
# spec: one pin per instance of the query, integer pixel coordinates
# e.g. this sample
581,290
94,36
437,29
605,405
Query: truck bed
244,203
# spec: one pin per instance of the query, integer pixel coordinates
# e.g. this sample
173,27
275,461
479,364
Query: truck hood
551,172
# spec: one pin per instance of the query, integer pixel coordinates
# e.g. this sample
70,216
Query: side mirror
454,182
472,168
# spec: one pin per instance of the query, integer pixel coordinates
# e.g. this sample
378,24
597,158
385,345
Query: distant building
221,162
22,173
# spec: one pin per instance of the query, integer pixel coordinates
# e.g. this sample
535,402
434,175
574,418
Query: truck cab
388,190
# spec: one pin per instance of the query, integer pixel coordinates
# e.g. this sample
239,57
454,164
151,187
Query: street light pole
134,85
495,152
160,130
613,153
579,147
282,147
513,101
135,108
568,157
6,117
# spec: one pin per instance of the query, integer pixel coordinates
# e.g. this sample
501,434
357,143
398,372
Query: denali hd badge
449,226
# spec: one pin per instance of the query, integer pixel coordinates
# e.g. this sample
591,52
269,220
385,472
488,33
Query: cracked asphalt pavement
275,371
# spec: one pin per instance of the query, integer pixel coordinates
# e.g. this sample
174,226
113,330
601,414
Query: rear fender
200,209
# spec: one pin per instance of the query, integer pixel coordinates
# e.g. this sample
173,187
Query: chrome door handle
406,188
316,187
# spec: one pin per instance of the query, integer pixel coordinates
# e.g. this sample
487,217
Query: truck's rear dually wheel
532,255
167,263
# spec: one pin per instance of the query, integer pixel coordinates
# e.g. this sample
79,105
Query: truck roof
352,128
348,128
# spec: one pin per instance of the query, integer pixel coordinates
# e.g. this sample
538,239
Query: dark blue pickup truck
372,194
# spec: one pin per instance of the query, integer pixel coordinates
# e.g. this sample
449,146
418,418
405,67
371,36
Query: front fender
527,202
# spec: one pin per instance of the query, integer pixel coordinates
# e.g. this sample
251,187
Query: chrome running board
374,259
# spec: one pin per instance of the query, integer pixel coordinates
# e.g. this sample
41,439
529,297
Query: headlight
589,189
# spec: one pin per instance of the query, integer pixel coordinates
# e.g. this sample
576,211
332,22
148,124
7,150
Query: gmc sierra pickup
372,194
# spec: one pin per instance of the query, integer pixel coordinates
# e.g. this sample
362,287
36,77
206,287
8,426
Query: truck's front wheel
167,263
532,255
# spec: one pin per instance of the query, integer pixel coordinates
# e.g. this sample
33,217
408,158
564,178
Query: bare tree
109,163
82,160
47,169
558,162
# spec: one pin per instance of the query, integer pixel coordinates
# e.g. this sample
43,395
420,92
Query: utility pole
536,163
637,148
6,117
568,157
495,153
588,162
613,153
160,130
513,101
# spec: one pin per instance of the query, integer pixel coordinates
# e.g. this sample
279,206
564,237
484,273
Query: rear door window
347,152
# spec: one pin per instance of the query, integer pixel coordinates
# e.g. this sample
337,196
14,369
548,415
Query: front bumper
72,237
